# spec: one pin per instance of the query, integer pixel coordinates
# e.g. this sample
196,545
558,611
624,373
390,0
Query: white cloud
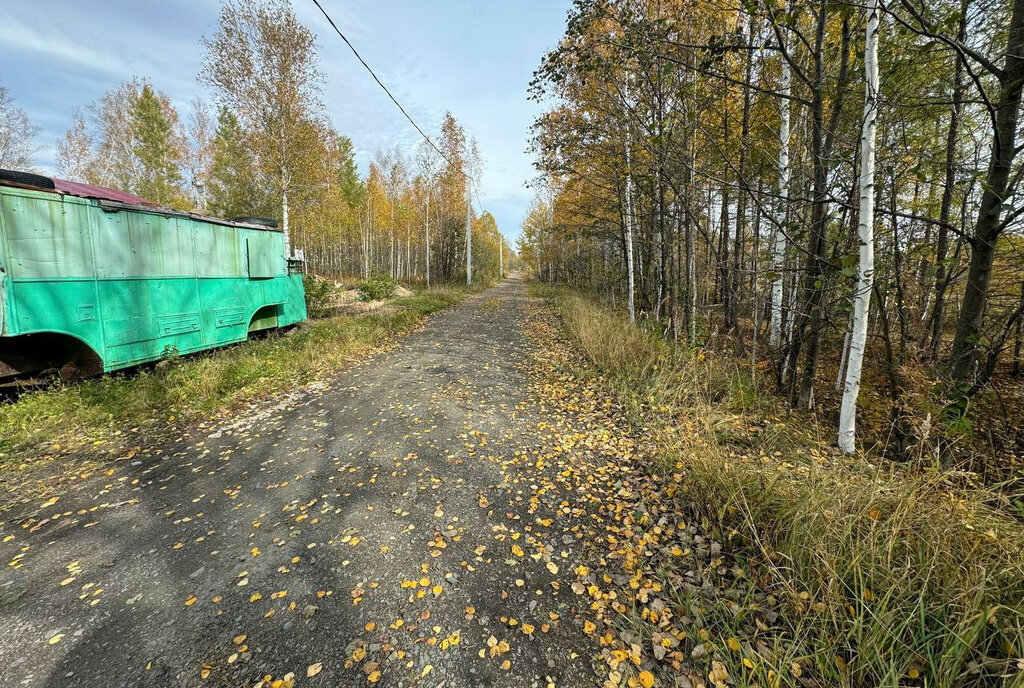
51,46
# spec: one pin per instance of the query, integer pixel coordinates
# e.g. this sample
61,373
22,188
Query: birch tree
198,135
17,135
779,247
659,194
262,64
866,235
74,150
469,231
630,278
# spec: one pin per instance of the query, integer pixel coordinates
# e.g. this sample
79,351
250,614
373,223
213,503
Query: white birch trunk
629,237
427,251
865,230
284,222
691,255
551,226
846,353
469,234
366,240
779,250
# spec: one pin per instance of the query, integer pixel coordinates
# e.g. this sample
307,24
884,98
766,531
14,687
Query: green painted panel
142,244
138,310
66,306
264,259
44,238
295,302
4,305
219,251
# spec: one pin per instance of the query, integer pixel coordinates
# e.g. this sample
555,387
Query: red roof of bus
101,192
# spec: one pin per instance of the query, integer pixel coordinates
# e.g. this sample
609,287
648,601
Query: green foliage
348,171
233,185
136,143
486,238
377,288
262,63
159,176
318,294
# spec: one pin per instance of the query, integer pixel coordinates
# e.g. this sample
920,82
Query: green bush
318,294
376,288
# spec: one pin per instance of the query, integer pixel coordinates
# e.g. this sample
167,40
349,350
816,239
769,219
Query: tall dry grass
883,575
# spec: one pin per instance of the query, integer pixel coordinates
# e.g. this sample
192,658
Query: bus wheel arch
265,318
70,357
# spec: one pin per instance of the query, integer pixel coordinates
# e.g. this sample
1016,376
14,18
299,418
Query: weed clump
318,294
377,288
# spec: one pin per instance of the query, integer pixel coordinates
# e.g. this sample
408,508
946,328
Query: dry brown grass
883,575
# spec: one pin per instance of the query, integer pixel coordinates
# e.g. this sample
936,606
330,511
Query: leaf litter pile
534,549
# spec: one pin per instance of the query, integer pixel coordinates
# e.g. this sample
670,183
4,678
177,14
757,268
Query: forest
266,148
828,192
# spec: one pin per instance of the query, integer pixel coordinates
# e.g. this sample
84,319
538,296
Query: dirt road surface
412,522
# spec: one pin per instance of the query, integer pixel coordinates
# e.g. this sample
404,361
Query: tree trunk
630,304
779,249
732,310
866,234
426,245
942,247
988,228
1018,336
469,233
284,220
811,318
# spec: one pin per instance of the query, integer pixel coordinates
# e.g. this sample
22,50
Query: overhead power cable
392,97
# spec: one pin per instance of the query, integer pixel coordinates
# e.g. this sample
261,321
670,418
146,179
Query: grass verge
875,574
44,425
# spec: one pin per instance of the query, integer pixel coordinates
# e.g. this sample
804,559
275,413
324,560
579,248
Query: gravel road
407,523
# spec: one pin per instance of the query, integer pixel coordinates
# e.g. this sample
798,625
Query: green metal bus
94,280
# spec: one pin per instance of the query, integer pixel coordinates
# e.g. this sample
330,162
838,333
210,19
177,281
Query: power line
393,99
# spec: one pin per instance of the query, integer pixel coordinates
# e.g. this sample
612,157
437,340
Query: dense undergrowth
877,574
44,424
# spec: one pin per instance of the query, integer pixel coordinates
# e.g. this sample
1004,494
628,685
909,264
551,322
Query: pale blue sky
474,58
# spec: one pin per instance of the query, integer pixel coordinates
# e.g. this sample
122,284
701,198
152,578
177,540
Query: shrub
318,294
378,287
